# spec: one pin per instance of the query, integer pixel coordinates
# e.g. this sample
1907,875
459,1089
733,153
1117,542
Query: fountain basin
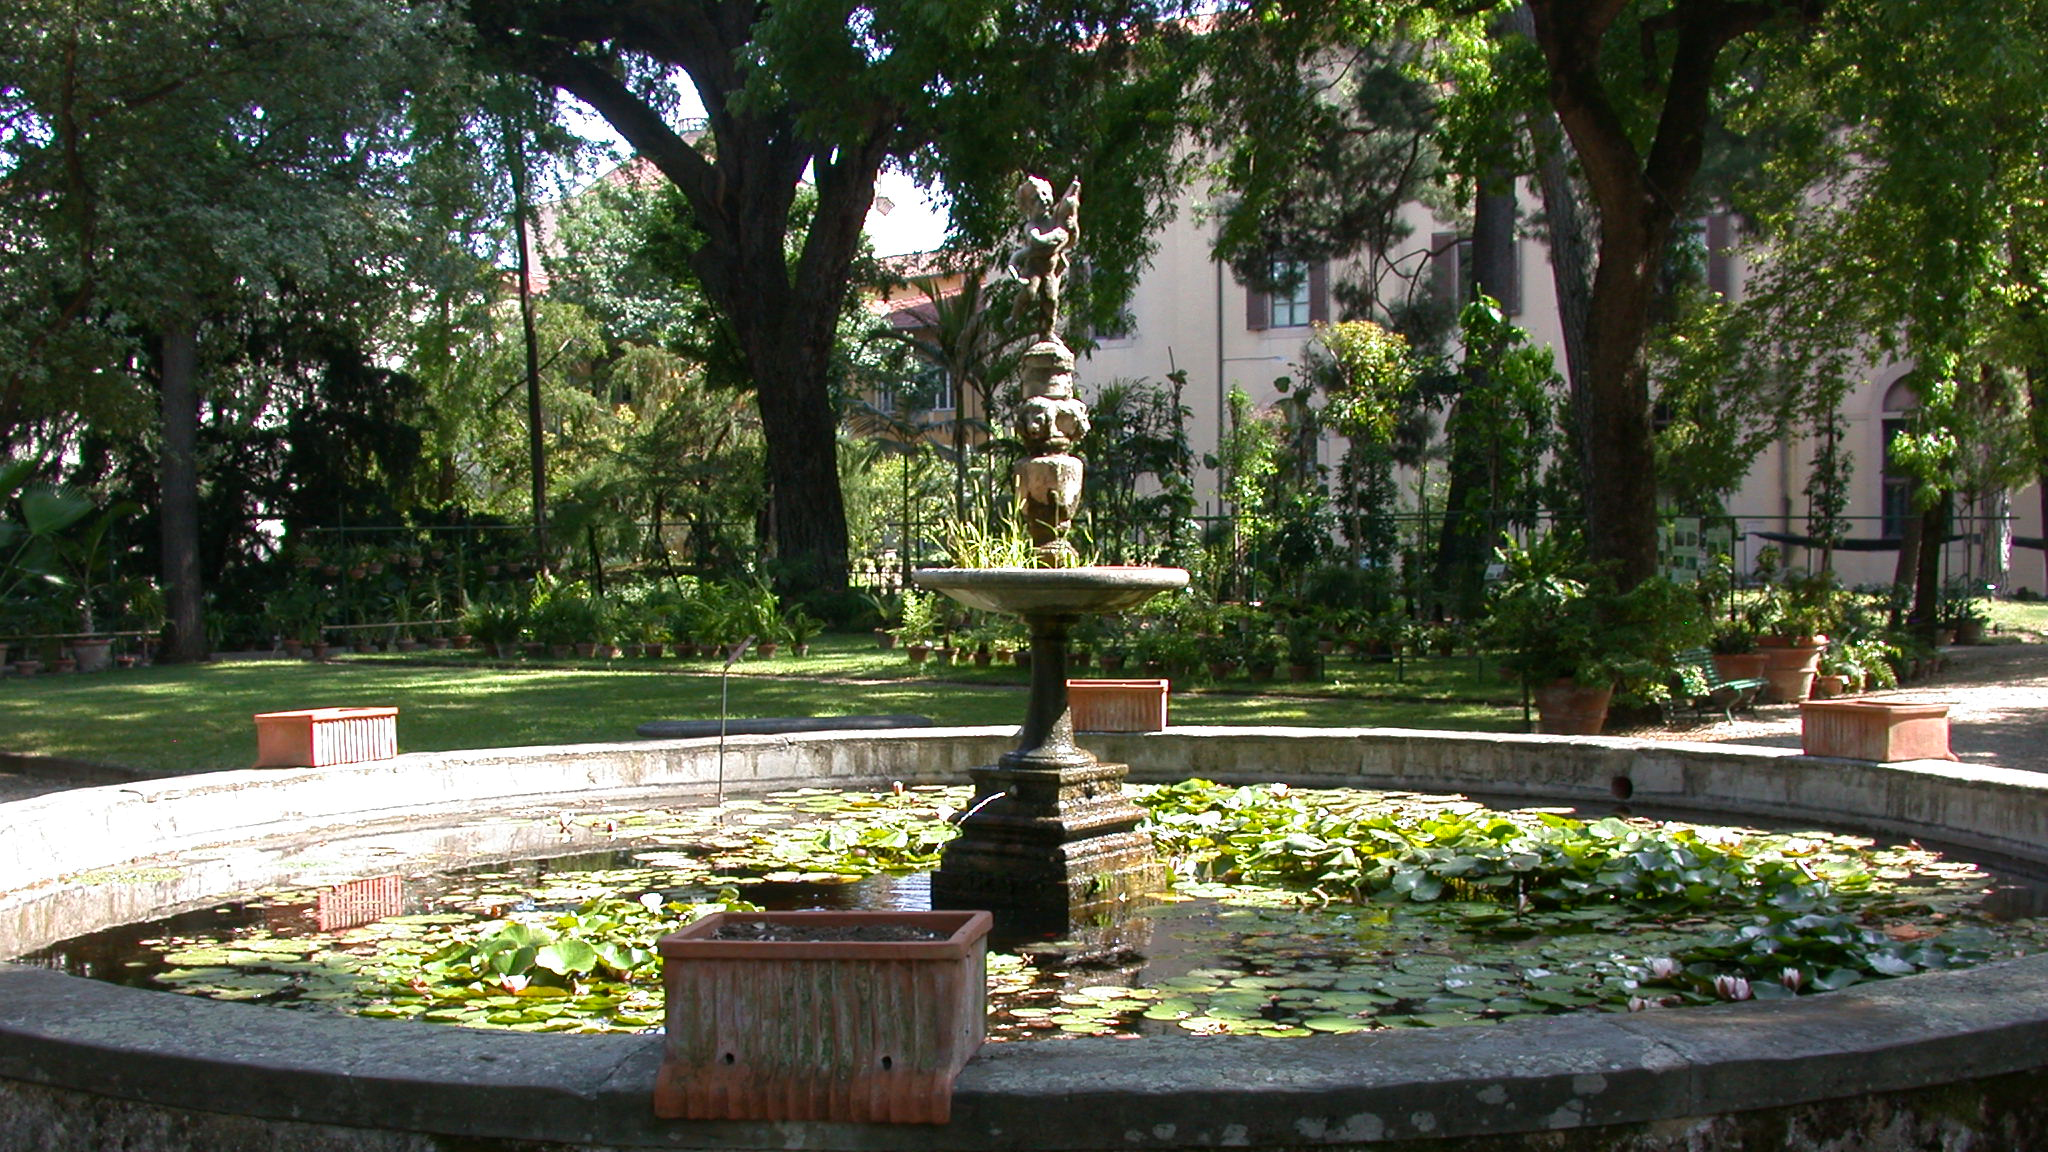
88,1065
1052,591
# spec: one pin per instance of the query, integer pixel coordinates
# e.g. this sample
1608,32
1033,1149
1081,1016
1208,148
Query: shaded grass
197,718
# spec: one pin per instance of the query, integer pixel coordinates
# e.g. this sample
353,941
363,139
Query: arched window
1900,402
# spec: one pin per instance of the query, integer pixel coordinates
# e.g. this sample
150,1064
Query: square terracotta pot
834,1027
317,737
1118,705
1874,730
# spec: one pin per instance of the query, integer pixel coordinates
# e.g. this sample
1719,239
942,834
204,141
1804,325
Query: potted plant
920,623
802,628
1792,615
1575,642
498,624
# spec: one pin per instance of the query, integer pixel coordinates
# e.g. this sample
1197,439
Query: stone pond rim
1900,1064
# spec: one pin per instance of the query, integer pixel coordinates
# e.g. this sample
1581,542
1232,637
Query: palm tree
975,346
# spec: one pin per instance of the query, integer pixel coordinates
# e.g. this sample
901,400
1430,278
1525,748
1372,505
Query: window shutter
1319,292
1720,261
1258,310
1444,267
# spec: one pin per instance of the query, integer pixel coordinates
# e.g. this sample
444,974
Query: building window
1300,297
1288,303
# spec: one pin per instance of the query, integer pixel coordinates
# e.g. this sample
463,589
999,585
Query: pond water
1294,912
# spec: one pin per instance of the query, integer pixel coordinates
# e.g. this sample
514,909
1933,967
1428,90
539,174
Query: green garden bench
1723,696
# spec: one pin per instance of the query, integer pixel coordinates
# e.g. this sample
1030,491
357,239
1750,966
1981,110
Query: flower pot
1326,647
438,643
886,639
317,737
1221,669
653,649
800,649
984,658
1739,665
1079,660
1262,671
766,649
918,652
294,649
64,665
93,655
1117,705
585,649
1789,667
1969,631
1300,673
505,649
27,667
860,1017
1569,708
124,661
319,649
1827,686
408,644
1113,662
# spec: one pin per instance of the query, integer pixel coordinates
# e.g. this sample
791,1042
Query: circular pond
85,1064
1295,912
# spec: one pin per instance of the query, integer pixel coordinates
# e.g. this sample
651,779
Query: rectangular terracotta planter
862,1030
1874,730
1118,705
318,737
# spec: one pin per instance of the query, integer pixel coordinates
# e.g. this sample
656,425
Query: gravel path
1997,696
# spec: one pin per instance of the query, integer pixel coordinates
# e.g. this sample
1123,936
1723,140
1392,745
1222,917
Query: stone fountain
1049,839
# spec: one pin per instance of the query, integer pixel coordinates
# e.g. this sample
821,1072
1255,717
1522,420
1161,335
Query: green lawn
191,719
2019,616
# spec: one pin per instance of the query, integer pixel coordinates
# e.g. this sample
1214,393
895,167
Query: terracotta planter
1969,631
318,649
294,649
408,644
853,1024
1569,708
766,649
1117,705
317,737
586,649
799,650
885,639
1301,673
1827,686
1882,730
652,649
438,643
27,667
93,655
1789,668
1114,662
983,658
1739,665
506,649
918,653
1221,669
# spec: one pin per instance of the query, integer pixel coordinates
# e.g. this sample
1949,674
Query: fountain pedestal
1049,841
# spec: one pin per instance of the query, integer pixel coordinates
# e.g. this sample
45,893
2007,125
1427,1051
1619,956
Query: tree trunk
1471,512
179,467
536,434
1927,595
1618,458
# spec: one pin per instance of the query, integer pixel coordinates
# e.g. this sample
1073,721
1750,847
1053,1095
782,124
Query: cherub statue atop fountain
1040,263
1052,420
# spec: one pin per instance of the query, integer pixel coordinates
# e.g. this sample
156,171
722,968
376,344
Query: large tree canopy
827,92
